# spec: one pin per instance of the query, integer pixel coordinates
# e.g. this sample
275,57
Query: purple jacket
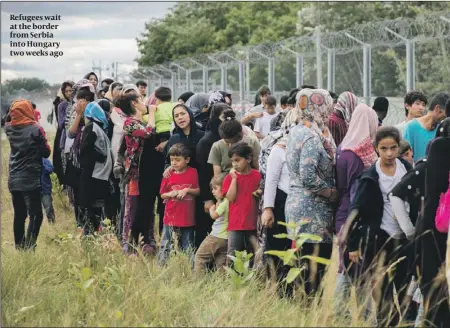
348,167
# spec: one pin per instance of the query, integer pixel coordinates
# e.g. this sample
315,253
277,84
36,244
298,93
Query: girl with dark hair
113,91
376,236
93,79
231,132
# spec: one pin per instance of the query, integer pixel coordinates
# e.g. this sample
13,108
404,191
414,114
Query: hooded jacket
191,140
370,204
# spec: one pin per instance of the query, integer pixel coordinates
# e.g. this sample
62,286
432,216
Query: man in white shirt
415,102
262,124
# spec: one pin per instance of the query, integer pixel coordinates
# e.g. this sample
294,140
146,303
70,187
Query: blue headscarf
95,113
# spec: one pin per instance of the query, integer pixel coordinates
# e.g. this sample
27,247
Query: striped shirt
338,127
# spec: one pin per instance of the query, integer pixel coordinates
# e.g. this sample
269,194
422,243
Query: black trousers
27,203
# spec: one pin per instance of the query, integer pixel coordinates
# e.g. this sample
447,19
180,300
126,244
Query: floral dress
311,170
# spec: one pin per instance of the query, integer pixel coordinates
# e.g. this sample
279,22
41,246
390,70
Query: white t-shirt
262,125
387,183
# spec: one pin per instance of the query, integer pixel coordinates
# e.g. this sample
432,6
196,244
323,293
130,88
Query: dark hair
306,86
292,100
218,108
85,93
115,85
334,96
385,132
264,90
185,96
242,149
90,74
230,127
140,82
293,92
108,81
33,105
217,181
412,96
284,100
447,108
404,147
105,89
163,94
381,105
440,99
271,101
180,149
124,103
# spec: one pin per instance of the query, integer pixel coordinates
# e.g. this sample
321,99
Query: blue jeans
342,295
47,202
185,238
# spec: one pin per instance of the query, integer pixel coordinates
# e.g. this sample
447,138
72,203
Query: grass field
74,282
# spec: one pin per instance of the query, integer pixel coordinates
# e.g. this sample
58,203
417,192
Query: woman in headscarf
85,93
96,167
310,154
61,103
355,154
28,146
184,97
186,132
93,79
216,97
113,91
340,118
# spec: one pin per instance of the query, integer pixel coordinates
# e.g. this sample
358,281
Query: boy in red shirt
179,191
239,187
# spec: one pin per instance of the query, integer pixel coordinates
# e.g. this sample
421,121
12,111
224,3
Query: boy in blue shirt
46,185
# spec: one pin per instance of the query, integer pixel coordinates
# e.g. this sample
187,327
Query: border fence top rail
420,28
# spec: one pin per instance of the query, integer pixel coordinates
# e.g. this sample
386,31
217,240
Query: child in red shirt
239,187
179,191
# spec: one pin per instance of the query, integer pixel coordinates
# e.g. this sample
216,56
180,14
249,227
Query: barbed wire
391,33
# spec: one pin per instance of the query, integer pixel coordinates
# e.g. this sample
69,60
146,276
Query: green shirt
163,117
220,226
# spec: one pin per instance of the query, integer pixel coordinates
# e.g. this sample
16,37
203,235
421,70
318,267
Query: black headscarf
185,96
443,129
106,106
89,74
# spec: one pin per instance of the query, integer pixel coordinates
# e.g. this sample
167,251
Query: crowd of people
318,165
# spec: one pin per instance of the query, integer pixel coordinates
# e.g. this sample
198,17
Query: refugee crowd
323,164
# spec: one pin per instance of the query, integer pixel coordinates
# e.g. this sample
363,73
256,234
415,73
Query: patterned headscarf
95,113
216,97
128,87
346,104
315,106
443,129
361,133
21,113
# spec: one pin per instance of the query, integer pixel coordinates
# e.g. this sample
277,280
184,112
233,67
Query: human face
181,117
93,80
388,150
68,91
179,163
228,101
439,114
240,164
116,91
142,90
271,109
416,109
139,106
232,141
217,192
263,98
408,156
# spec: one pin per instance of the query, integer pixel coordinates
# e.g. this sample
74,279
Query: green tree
28,84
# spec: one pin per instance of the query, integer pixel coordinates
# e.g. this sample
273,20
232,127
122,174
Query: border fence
353,59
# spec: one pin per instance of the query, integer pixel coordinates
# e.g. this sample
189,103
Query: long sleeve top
277,175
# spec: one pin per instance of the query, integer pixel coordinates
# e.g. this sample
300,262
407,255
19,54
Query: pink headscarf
151,99
346,104
361,133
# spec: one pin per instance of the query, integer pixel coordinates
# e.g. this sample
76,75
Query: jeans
119,228
244,240
185,238
47,202
27,203
342,295
212,249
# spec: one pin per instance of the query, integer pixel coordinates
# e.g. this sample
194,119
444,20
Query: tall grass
70,281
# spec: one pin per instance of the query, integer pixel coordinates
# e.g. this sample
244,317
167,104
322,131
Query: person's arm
48,166
43,146
217,211
233,189
74,126
62,108
194,190
256,152
402,216
407,135
87,148
215,159
251,116
258,129
273,175
137,129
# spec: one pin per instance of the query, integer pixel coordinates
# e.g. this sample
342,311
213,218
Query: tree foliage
205,27
25,83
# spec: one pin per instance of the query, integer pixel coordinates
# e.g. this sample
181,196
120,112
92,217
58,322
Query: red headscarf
37,115
21,113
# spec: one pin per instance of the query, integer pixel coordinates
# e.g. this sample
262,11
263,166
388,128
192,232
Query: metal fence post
271,74
319,59
223,77
299,71
331,69
241,81
174,86
367,73
205,79
410,66
188,80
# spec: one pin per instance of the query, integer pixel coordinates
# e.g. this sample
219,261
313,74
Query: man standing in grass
420,131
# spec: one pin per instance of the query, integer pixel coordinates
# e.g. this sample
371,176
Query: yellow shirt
163,117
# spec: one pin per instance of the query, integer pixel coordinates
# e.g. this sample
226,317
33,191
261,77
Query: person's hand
172,194
267,218
233,174
208,205
161,146
167,172
257,115
212,209
182,193
81,106
257,193
354,256
152,108
334,195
